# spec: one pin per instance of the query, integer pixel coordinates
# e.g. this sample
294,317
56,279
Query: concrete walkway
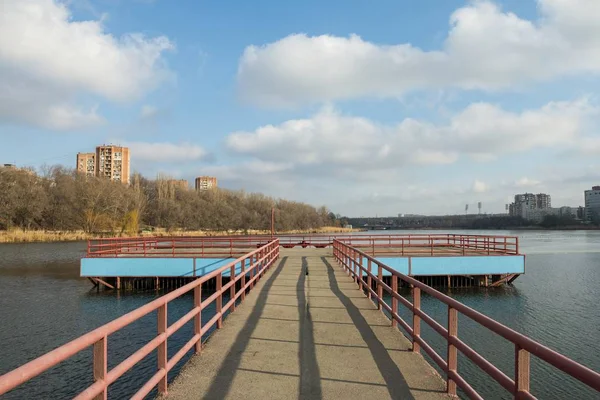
307,332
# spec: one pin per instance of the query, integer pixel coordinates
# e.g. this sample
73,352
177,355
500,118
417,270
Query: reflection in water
44,304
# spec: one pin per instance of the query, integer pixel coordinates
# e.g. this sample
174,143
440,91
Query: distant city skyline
404,107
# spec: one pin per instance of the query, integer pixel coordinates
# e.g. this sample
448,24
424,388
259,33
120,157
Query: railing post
252,269
243,279
517,245
369,279
220,300
416,319
198,317
521,371
379,286
360,274
101,365
232,288
394,300
355,263
162,348
452,351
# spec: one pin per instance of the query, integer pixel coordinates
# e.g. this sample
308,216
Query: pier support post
369,279
379,286
394,300
360,275
521,371
162,348
101,365
220,300
416,348
243,295
232,288
198,318
452,351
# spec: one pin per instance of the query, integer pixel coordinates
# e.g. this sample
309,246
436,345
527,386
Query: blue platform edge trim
153,266
454,265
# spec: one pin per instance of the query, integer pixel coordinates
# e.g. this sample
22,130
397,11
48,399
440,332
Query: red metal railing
230,246
353,261
251,267
202,247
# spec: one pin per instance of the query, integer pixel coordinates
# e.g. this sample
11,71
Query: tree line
64,200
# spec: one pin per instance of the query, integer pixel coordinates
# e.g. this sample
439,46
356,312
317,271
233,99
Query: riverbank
33,236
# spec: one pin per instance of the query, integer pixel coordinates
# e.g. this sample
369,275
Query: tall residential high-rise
592,203
86,163
112,162
206,183
543,200
529,201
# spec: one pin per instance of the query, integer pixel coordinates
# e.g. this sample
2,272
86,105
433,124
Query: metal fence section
247,269
368,275
230,246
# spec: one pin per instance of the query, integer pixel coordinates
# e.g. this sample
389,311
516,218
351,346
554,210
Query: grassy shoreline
35,236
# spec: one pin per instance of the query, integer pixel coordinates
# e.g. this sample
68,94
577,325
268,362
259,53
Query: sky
369,108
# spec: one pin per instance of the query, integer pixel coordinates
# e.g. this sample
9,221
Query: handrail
252,266
214,246
352,260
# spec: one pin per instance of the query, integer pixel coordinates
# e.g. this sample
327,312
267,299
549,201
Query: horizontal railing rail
246,269
230,246
353,261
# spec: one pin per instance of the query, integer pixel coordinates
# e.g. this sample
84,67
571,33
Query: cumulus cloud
481,131
525,182
166,152
48,61
148,111
480,187
486,48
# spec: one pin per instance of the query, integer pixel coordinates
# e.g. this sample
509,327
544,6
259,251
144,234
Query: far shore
39,236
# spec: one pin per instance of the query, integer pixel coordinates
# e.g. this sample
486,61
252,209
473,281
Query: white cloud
148,111
481,131
486,48
525,182
166,152
480,187
48,61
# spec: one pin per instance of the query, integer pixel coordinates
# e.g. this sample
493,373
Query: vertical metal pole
379,286
252,269
369,279
220,300
101,365
452,351
355,261
243,279
360,274
416,319
394,300
162,348
198,317
232,288
521,371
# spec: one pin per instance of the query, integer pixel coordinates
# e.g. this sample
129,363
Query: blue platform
153,266
454,265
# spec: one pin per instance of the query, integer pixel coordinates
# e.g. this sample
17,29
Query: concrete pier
307,332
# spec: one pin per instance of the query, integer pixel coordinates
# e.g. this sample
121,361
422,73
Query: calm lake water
44,303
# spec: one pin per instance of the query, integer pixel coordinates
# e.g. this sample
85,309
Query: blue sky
402,107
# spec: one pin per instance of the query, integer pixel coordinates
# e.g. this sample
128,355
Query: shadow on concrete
395,382
220,386
310,376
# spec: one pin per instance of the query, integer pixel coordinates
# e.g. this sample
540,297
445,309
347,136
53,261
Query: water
44,303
